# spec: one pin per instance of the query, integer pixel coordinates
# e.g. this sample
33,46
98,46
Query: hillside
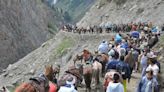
25,25
74,10
124,11
59,50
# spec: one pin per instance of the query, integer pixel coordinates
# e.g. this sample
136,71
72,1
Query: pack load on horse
103,59
37,84
71,72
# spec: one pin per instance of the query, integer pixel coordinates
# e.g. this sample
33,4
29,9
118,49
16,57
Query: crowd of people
117,60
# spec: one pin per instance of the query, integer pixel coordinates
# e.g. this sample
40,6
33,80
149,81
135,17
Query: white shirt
155,69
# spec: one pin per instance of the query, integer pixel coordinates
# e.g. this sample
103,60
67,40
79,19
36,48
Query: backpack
122,69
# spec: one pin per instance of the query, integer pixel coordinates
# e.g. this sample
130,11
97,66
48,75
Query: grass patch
52,28
66,43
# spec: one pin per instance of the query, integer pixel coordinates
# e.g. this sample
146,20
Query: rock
31,72
16,82
5,74
11,75
10,87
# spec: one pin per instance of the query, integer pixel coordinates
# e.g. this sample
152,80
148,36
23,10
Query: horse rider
103,47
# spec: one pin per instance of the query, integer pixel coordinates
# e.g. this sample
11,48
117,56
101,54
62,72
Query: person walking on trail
148,83
69,86
153,66
103,47
124,69
144,61
115,86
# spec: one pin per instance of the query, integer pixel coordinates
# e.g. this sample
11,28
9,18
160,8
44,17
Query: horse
152,41
36,84
87,73
103,59
130,60
96,68
78,58
51,73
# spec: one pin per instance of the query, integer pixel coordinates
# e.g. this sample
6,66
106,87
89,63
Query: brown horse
103,59
37,84
77,59
96,68
51,73
87,73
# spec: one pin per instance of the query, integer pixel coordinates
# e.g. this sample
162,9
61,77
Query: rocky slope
25,25
124,11
58,50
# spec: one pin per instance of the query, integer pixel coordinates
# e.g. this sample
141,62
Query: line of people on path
109,27
126,54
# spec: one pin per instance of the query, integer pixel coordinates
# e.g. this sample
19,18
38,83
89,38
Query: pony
87,73
96,68
103,59
152,41
78,58
130,60
36,84
51,73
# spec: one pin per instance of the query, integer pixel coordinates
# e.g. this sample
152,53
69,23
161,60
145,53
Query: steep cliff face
24,25
124,11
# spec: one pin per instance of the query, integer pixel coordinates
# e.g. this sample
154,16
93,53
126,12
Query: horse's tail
88,79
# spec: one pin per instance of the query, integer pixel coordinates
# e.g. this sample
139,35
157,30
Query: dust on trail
131,87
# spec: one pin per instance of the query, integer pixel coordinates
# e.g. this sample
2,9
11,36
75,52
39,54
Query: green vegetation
52,28
66,43
74,10
162,39
119,2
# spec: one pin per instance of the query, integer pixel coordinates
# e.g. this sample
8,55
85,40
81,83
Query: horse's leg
88,79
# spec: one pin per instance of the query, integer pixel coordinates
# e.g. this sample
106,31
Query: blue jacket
112,65
146,85
124,69
135,34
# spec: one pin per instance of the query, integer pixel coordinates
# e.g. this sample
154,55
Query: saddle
41,84
75,72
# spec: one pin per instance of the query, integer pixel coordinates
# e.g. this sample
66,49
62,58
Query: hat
70,80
